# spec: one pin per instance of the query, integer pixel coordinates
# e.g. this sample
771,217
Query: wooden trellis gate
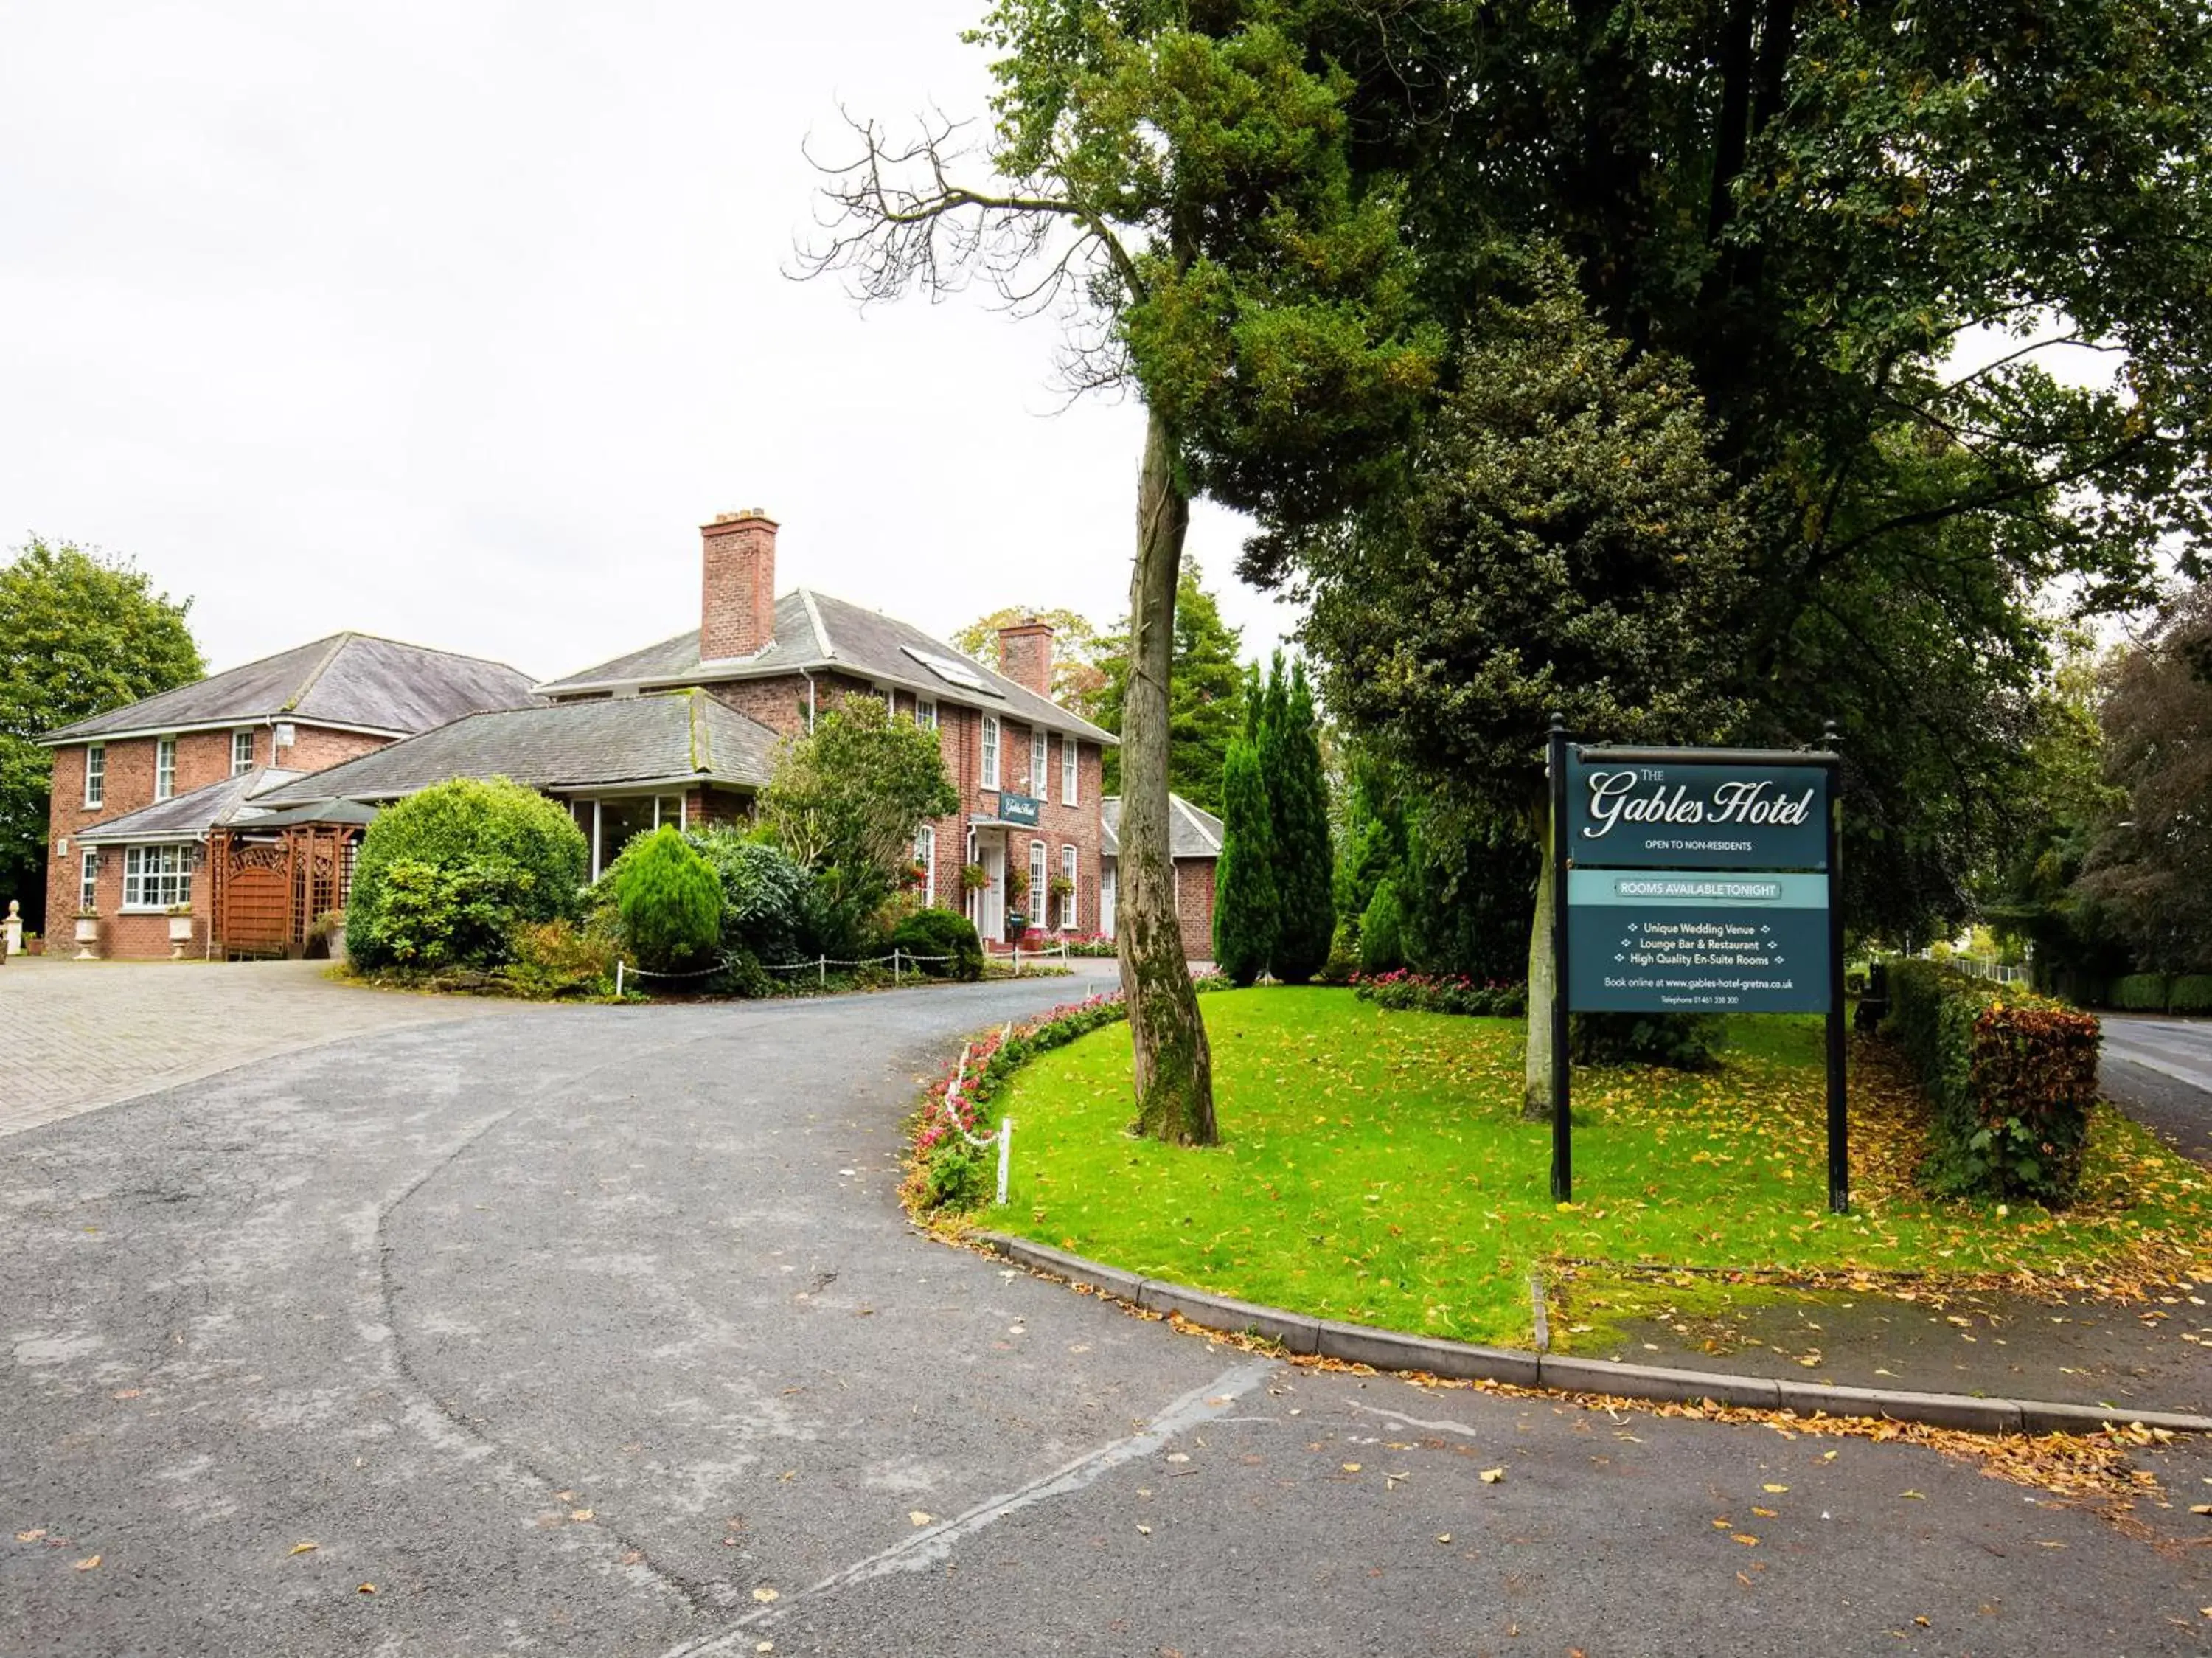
270,884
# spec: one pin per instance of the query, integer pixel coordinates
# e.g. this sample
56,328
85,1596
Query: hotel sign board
1695,881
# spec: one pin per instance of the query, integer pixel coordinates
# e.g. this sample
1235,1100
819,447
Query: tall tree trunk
1173,1063
1543,975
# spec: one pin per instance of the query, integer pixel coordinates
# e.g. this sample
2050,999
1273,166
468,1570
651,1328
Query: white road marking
925,1548
1414,1422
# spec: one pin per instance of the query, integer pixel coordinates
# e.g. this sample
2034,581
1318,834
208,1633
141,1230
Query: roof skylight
954,671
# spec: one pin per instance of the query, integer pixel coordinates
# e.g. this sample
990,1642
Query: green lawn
1374,1167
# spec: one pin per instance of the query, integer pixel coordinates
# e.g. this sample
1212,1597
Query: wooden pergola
269,879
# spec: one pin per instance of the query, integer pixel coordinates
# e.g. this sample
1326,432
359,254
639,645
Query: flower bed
944,1170
1405,991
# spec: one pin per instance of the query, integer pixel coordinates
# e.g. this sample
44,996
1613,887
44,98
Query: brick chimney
1025,654
737,607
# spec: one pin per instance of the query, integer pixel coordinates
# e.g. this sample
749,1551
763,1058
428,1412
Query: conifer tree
1244,899
1305,868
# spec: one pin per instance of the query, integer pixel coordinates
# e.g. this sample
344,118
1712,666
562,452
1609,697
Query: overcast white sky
454,322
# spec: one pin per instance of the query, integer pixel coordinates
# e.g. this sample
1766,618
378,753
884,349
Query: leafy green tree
1246,904
79,633
844,799
1206,694
1297,798
1864,232
1567,542
445,876
2151,863
1078,652
671,899
1183,178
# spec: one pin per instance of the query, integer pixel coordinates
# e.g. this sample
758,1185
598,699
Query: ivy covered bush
446,876
2011,1081
670,902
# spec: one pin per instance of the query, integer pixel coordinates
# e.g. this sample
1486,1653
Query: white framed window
241,752
990,751
95,775
156,877
88,879
1037,895
1068,768
1067,903
165,767
924,853
1040,768
925,713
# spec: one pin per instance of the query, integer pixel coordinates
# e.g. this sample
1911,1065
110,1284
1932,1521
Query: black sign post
1695,880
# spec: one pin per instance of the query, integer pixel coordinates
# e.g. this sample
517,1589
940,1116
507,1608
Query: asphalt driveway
600,1331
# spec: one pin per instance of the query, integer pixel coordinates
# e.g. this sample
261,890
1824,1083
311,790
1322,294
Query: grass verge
1375,1167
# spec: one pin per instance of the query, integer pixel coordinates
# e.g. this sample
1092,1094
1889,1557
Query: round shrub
671,901
445,876
1382,931
941,932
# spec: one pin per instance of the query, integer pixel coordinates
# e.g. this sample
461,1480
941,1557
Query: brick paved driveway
76,1035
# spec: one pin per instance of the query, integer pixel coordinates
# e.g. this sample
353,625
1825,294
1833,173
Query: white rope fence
901,959
1005,1137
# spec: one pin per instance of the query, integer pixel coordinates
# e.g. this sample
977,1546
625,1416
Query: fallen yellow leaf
1778,1489
31,1536
299,1548
1918,1496
1443,1537
366,1589
1746,1539
87,1562
763,1595
1351,1467
1764,1513
1492,1476
918,1517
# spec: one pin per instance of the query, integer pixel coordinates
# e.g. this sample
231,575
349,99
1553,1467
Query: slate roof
587,744
816,632
191,815
353,680
1192,832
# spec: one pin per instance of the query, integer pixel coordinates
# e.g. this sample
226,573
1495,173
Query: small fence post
1017,958
1005,1154
822,968
618,978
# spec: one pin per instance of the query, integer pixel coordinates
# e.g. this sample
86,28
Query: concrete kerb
1393,1349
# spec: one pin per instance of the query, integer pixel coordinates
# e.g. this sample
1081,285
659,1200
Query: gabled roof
190,816
355,681
1193,832
816,632
682,738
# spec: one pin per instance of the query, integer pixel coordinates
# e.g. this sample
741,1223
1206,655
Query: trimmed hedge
2139,992
2189,993
2011,1080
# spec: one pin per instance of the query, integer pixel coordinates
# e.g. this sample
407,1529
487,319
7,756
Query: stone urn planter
181,934
88,937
